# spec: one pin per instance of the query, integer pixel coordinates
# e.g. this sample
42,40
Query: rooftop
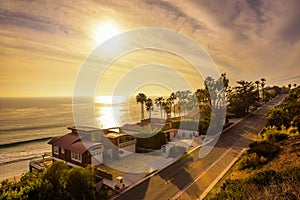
73,142
83,128
115,135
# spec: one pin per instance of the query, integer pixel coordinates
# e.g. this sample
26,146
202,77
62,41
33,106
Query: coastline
13,171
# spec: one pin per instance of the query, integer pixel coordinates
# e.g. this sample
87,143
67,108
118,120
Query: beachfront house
126,143
88,145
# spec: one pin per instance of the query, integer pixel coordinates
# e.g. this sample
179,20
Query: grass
287,158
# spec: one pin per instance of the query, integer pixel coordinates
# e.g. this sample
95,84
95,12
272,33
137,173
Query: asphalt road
189,177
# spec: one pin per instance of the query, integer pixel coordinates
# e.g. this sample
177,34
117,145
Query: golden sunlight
105,30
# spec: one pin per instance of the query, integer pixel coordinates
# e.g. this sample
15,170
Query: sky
45,44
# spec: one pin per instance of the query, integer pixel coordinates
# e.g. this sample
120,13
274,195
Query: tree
57,181
217,90
225,80
202,96
277,117
149,106
257,89
159,101
80,184
287,113
57,175
242,98
153,139
141,98
210,87
184,98
167,106
263,80
172,99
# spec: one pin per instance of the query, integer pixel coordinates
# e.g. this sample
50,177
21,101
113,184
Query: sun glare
105,31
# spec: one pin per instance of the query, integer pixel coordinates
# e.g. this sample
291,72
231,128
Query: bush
276,137
266,178
231,189
248,161
150,140
268,184
293,131
80,184
264,148
58,181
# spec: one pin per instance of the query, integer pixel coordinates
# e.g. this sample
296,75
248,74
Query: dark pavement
198,174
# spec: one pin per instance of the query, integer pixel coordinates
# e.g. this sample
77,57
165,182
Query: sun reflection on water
116,111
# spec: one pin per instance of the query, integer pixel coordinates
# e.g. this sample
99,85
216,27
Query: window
62,150
76,156
56,150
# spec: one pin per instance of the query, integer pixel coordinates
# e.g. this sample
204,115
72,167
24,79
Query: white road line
197,178
221,175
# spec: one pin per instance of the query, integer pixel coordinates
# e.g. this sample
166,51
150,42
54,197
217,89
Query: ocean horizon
28,123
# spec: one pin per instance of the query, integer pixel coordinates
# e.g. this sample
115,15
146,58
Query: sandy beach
13,171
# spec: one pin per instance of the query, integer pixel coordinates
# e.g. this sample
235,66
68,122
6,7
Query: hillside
278,178
270,168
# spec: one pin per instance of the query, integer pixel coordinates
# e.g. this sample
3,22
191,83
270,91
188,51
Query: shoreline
14,171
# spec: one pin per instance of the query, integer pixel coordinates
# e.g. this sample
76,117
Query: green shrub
266,178
264,148
58,181
276,137
271,134
151,140
230,190
292,174
248,161
292,130
268,184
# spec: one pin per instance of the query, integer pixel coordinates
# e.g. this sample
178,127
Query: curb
183,155
209,188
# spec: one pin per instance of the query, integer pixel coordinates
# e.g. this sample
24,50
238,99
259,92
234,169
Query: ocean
27,124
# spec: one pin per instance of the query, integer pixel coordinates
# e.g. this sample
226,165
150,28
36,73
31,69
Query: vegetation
270,168
286,114
242,98
58,181
141,98
266,172
268,184
150,139
149,106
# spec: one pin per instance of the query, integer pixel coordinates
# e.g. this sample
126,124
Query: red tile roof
73,142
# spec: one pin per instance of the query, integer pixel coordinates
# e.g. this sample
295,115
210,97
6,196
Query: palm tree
141,98
180,96
167,106
159,101
263,80
289,85
257,89
149,106
172,99
210,86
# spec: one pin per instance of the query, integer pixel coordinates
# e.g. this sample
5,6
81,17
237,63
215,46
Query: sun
104,31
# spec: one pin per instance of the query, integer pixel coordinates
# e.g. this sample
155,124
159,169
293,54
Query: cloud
248,39
25,20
